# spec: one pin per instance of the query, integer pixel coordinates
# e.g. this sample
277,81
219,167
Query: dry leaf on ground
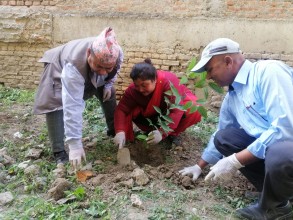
84,175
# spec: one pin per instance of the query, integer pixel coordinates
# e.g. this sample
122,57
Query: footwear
110,133
61,157
175,140
252,195
254,212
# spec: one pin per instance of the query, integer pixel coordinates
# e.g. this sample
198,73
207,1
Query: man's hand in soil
154,137
195,171
75,157
76,153
119,139
224,169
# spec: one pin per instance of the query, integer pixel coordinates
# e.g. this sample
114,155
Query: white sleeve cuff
74,144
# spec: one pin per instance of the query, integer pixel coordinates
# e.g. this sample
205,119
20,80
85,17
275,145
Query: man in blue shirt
255,131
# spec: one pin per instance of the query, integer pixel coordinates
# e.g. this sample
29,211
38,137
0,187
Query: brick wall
259,9
19,66
174,60
28,3
255,9
29,27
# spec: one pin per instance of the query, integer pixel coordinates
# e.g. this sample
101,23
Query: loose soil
160,163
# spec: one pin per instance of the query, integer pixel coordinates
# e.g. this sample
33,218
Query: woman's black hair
144,71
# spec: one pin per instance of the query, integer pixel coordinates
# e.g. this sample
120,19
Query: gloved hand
154,137
194,170
119,139
75,156
106,94
224,169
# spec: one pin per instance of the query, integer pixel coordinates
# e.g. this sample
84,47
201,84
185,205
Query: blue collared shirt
261,104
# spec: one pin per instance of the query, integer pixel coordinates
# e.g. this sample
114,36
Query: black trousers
273,177
55,122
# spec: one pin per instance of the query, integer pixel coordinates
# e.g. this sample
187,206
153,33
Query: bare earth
166,189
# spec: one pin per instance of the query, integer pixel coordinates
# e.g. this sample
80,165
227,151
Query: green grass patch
10,95
205,128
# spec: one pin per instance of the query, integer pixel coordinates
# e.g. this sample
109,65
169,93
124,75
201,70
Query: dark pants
108,107
55,126
55,122
273,177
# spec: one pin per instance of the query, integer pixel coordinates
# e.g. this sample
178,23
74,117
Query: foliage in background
94,116
200,82
205,128
162,199
10,95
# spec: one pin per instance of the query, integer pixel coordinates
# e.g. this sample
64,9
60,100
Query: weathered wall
170,32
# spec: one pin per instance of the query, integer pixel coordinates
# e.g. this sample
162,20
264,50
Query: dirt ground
160,163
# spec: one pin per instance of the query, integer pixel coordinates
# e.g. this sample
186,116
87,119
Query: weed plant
11,95
30,200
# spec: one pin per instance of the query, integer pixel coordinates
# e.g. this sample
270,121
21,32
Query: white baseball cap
216,47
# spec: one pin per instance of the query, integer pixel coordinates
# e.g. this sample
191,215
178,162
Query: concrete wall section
170,32
191,33
25,25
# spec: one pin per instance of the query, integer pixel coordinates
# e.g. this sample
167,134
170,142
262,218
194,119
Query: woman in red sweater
137,104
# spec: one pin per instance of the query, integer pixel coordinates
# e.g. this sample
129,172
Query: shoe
254,212
252,195
61,157
111,133
176,140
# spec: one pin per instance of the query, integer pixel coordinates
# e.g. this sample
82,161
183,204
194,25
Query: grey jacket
48,97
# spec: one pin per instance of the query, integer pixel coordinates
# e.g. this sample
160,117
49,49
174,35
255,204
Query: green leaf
200,84
202,111
168,111
166,128
158,110
201,101
151,123
159,120
173,106
193,109
174,90
167,118
178,100
203,75
206,92
169,93
184,80
216,87
79,193
141,137
167,100
192,75
187,105
191,64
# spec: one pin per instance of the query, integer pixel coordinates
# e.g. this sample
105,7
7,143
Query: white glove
106,94
154,137
194,170
119,139
76,153
224,169
75,156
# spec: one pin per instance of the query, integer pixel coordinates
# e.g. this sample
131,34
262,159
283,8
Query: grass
165,201
205,128
11,95
29,196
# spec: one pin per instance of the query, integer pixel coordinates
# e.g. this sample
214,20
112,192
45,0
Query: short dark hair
144,71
